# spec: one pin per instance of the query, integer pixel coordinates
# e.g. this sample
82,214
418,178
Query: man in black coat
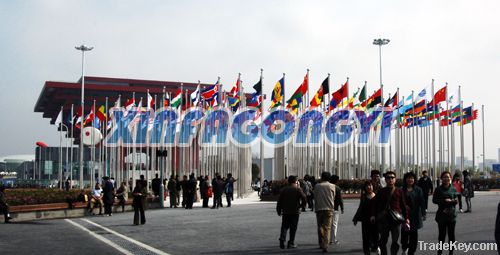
155,185
108,195
425,183
184,185
191,189
217,187
290,201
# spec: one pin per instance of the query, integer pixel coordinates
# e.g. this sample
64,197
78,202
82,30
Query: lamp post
380,42
83,48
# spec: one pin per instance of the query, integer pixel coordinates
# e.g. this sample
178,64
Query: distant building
268,167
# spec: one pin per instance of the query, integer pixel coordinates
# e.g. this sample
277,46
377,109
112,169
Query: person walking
309,192
108,196
229,189
458,185
218,189
155,185
172,190
184,185
445,196
337,203
204,186
425,183
139,193
4,206
415,200
324,195
290,200
375,179
191,191
369,233
468,190
391,211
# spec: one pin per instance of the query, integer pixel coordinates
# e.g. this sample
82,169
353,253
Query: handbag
391,214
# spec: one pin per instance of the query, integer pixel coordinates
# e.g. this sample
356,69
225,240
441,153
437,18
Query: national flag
234,96
58,119
339,95
320,94
393,101
209,92
101,113
277,94
166,100
89,118
77,119
440,96
423,94
129,104
296,97
151,102
350,101
256,99
177,100
195,96
373,100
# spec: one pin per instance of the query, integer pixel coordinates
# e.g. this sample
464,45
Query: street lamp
380,42
83,48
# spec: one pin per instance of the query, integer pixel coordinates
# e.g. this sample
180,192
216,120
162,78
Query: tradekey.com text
465,247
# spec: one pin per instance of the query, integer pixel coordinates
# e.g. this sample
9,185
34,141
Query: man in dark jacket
108,195
184,185
290,201
425,183
204,186
218,188
387,199
191,190
155,185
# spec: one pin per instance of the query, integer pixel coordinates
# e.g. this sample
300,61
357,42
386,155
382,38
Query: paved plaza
248,227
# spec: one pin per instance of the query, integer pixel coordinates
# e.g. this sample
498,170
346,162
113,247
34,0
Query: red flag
440,96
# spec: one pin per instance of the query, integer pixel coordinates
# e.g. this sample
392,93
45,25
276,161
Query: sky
448,41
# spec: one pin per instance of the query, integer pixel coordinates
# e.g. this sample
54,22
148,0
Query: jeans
289,221
443,228
324,222
385,229
335,224
469,204
409,240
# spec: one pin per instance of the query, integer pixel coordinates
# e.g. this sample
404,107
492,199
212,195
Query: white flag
58,119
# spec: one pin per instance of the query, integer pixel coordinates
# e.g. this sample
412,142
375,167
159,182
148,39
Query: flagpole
261,137
434,174
473,140
484,152
461,131
71,155
60,150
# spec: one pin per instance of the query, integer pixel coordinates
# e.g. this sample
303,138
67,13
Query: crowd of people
104,194
384,210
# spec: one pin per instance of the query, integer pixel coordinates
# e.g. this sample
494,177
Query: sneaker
378,251
461,210
336,242
291,246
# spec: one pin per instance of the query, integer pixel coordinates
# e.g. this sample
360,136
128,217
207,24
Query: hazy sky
449,41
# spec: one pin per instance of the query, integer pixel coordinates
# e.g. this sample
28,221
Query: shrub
39,196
